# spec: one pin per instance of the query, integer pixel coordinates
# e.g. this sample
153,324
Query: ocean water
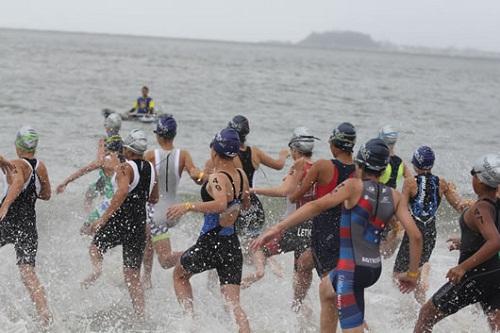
59,82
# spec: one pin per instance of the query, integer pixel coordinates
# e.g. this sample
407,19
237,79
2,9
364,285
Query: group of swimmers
342,215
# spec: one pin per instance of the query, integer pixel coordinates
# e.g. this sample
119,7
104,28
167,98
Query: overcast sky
437,23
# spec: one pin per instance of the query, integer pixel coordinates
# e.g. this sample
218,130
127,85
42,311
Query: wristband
412,275
200,176
189,206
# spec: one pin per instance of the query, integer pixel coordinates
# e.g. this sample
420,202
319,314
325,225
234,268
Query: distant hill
360,41
339,40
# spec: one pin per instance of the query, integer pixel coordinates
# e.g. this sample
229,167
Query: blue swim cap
374,155
166,126
423,158
226,143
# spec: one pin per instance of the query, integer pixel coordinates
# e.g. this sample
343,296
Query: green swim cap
27,139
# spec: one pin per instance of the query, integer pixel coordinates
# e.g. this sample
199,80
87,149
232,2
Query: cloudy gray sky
437,23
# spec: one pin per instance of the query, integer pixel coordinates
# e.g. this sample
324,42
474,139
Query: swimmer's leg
302,280
183,289
259,260
329,316
166,257
428,316
96,259
276,267
494,320
37,293
423,284
134,285
231,293
148,260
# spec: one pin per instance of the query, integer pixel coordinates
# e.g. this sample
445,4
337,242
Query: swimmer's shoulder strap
496,205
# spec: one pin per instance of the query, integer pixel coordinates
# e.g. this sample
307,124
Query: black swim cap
344,137
374,155
241,125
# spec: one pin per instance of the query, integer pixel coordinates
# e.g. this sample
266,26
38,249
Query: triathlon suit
359,264
393,173
19,225
251,221
297,239
217,247
167,169
127,226
325,230
103,186
423,208
481,284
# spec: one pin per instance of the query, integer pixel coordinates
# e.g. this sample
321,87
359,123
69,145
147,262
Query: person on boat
144,105
476,278
170,163
296,239
367,206
124,222
26,183
218,246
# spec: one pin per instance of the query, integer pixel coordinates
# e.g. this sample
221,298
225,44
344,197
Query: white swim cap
487,170
389,135
136,141
302,141
113,122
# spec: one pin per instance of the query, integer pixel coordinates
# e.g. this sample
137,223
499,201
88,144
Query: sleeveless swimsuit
19,225
127,226
359,264
250,223
325,228
481,284
167,169
423,208
297,239
217,247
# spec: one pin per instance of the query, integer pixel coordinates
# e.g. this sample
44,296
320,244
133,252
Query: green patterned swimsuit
104,188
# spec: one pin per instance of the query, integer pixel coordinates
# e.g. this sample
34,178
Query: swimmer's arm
407,172
276,164
218,189
43,176
188,165
451,194
246,191
403,215
313,208
17,183
154,196
5,165
81,172
101,150
483,217
209,169
285,188
309,180
124,176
